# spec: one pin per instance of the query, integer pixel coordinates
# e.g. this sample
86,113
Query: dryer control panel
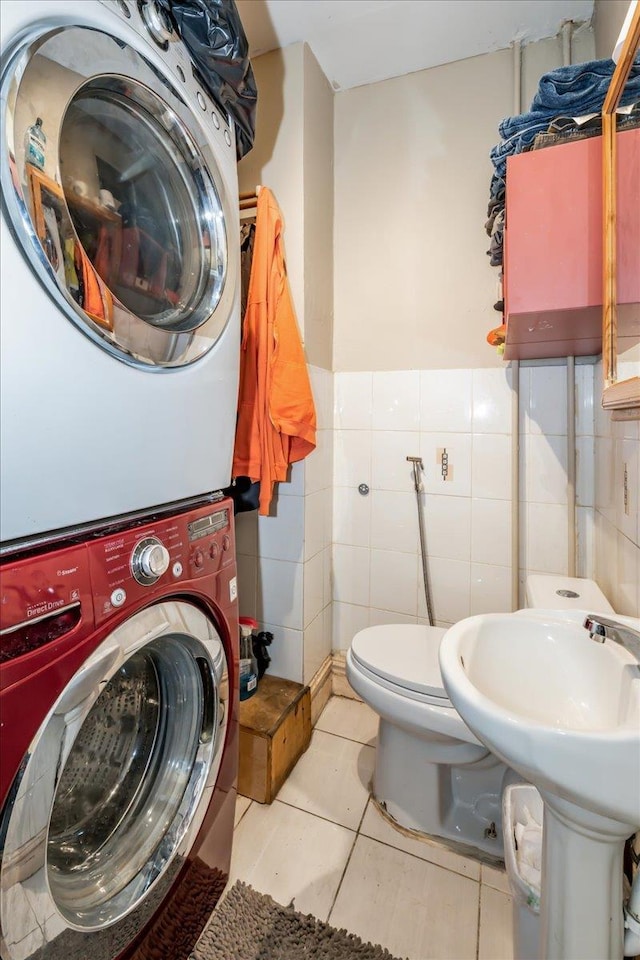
131,565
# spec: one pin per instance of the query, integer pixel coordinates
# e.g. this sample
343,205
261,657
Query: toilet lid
405,654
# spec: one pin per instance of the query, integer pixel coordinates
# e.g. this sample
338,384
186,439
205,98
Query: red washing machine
118,701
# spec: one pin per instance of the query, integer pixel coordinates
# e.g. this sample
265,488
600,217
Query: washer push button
118,597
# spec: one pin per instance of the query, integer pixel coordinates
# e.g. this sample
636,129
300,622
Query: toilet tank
565,593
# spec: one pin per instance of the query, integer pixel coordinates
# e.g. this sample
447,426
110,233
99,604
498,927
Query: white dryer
120,268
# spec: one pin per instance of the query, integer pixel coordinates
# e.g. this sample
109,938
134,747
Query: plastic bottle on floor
248,663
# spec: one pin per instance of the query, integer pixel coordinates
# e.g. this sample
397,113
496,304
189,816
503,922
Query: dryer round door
115,197
114,788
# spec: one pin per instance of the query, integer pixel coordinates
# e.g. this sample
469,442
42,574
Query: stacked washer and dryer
120,345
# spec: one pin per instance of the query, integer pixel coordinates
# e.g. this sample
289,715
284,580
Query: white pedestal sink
564,712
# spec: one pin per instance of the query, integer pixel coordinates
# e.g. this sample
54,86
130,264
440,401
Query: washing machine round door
114,788
116,197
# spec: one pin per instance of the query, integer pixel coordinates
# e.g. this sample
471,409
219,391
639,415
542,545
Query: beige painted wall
293,155
318,213
607,22
277,156
413,285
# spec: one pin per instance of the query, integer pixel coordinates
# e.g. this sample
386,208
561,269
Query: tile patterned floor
323,844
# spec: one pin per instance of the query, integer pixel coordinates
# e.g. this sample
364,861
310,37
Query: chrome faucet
603,628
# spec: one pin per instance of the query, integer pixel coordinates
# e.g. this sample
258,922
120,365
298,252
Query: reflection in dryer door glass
136,201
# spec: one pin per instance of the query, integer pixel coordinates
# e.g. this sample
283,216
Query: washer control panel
156,22
150,21
134,564
149,560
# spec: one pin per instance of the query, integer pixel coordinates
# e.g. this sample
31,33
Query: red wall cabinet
553,247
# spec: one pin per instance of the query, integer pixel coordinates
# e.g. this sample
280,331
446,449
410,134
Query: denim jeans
567,91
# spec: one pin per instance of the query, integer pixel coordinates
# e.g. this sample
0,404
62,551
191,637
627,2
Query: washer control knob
198,558
154,560
214,550
150,559
156,22
226,542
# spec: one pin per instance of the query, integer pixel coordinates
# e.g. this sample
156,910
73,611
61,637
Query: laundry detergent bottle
248,663
35,144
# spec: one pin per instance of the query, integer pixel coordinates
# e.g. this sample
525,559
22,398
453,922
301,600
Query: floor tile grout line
384,843
458,873
341,736
319,816
244,812
342,876
364,812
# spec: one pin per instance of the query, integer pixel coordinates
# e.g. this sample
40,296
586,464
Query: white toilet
431,772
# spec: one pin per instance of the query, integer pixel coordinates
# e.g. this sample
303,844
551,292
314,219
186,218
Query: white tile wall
491,466
396,400
450,590
351,574
490,588
377,576
617,524
313,590
348,619
458,453
390,469
393,521
284,560
447,526
317,522
491,531
281,536
394,581
317,646
491,392
352,458
331,561
546,469
351,517
445,401
585,399
585,473
286,652
543,548
280,598
543,463
546,409
353,401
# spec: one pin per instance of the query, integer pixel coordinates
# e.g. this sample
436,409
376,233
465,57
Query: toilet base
461,803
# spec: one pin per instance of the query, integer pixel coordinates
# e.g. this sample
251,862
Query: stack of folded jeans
568,129
570,91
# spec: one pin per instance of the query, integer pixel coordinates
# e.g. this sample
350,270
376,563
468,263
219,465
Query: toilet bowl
431,773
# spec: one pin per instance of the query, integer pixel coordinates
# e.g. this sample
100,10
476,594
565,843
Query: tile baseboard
320,686
340,685
329,680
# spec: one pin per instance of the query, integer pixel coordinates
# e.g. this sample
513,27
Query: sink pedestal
581,906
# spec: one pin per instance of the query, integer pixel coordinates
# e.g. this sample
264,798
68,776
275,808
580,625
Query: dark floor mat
251,926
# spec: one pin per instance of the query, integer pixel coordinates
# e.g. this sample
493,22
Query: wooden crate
275,729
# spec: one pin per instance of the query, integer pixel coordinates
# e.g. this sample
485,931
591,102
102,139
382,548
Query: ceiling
362,41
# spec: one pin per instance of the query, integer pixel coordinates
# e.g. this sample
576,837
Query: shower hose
418,467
